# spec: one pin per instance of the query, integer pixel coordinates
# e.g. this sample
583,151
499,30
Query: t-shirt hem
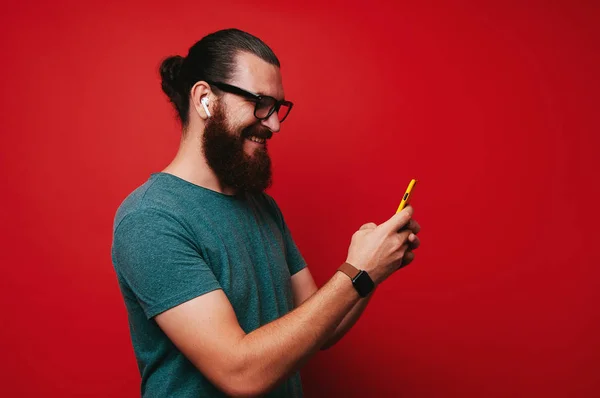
179,299
295,270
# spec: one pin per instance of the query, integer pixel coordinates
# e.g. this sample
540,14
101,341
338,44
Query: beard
224,151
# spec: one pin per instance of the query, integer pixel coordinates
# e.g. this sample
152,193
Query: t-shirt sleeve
155,256
292,254
294,258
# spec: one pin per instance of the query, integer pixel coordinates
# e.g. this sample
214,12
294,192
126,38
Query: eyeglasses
265,105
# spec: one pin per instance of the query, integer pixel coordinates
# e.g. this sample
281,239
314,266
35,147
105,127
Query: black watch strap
361,280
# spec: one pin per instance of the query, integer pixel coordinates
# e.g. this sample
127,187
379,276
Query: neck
190,165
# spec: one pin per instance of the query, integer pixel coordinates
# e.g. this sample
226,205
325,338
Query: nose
272,123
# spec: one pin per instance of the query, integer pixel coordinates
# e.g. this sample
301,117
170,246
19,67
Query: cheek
240,124
246,115
248,120
248,127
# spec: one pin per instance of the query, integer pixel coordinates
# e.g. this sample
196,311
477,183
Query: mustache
257,130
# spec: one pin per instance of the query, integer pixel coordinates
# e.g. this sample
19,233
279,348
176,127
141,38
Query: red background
492,107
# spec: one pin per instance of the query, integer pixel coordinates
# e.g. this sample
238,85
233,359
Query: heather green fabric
174,241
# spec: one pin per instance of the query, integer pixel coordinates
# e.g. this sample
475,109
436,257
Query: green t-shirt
174,241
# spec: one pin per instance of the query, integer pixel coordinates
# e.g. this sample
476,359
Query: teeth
257,140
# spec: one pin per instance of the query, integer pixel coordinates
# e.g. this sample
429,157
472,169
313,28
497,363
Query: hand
414,242
380,250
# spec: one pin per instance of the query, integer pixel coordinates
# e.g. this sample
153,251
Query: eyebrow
268,95
262,93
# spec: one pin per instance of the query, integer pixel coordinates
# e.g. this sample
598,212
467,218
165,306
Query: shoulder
270,205
271,202
151,201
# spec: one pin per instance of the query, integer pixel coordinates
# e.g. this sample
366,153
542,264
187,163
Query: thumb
398,220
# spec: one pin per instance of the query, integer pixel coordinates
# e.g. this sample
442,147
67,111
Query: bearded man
219,299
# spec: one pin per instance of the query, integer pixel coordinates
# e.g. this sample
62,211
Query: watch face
363,284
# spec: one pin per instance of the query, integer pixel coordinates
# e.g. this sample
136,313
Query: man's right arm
206,330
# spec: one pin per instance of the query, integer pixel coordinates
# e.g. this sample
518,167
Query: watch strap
349,270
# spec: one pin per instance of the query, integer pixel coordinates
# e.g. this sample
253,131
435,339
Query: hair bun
170,69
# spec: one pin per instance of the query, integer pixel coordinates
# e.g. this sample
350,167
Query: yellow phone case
407,195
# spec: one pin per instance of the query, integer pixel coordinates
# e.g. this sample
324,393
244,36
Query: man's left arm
304,286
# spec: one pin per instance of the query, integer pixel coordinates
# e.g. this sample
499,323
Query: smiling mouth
256,139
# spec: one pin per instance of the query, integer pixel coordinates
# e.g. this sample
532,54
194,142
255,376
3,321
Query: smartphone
407,195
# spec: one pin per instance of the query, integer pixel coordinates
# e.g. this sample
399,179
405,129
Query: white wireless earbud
204,102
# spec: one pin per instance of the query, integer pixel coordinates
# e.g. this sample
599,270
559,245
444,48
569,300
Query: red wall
493,107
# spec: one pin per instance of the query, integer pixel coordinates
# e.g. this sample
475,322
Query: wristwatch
361,281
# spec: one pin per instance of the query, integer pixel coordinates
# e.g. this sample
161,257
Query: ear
201,90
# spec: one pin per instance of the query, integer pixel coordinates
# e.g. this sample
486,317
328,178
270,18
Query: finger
407,259
400,253
398,220
403,243
413,225
370,225
414,240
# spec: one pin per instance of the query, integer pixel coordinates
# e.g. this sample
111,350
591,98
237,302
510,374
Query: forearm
348,321
271,353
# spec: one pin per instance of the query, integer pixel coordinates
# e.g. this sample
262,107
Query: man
219,299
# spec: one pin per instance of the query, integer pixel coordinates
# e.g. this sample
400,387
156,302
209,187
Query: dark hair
211,58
